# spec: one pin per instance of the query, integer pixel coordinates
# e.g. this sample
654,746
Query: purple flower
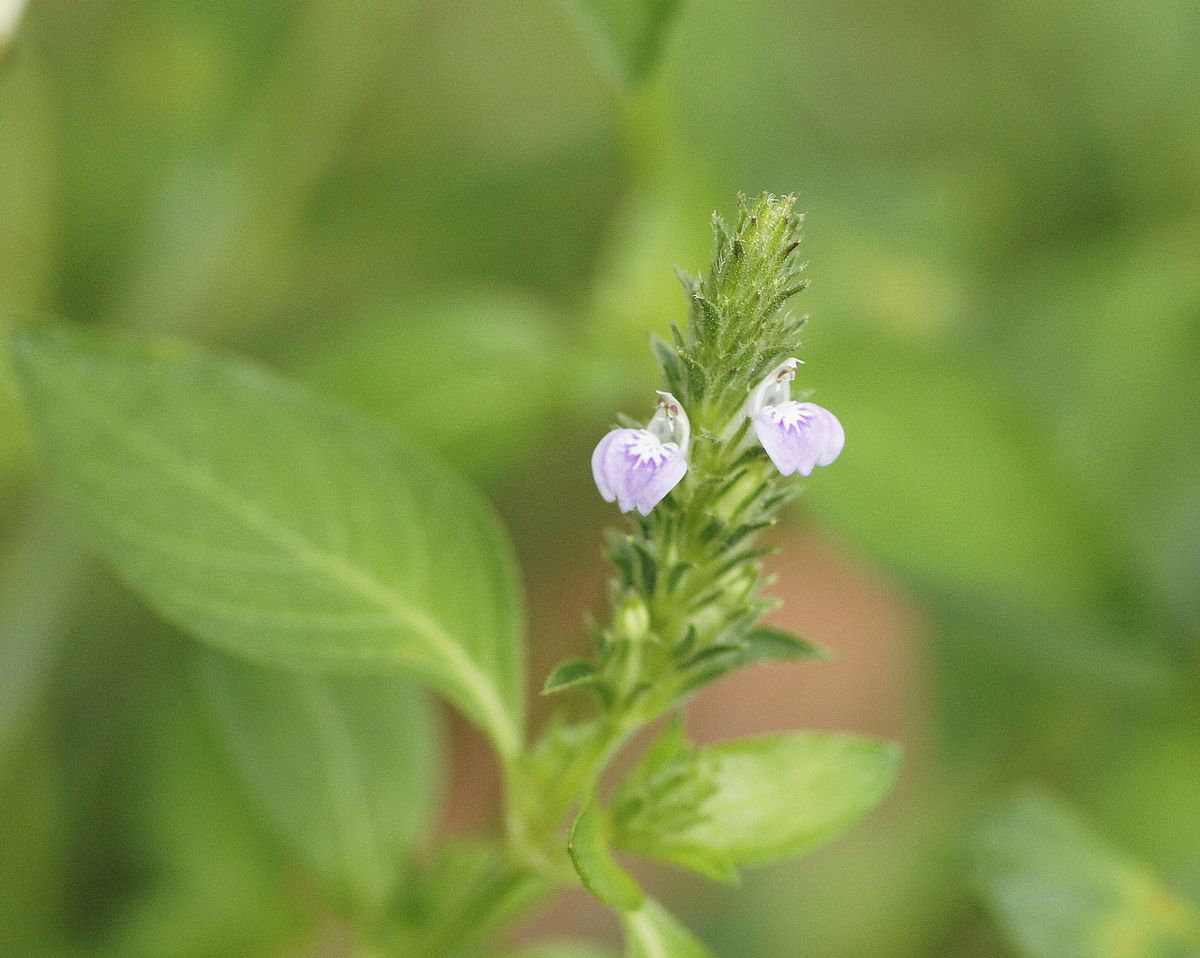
798,436
638,467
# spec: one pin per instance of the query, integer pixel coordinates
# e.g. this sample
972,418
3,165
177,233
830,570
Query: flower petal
636,468
599,473
835,440
795,435
665,477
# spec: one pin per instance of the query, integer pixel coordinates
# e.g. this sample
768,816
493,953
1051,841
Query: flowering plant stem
685,597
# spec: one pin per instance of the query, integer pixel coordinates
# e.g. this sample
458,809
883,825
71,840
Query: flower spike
798,436
638,467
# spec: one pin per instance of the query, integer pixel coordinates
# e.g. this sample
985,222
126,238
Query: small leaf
631,33
766,644
592,855
652,932
344,767
569,675
762,644
1060,891
276,526
765,799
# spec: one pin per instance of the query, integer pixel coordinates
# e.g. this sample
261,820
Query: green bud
633,618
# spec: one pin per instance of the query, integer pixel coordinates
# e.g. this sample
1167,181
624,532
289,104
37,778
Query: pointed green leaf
591,853
767,644
629,33
344,767
570,674
764,799
652,932
1060,891
274,525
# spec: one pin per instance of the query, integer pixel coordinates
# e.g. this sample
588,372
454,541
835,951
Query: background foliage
462,218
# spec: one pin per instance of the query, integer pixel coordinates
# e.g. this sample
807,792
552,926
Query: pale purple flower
798,436
638,467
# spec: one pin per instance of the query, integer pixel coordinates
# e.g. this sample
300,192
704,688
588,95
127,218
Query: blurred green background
463,218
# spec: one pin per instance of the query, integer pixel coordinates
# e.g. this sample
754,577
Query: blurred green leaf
564,949
218,885
766,798
572,674
459,895
26,220
944,472
26,182
35,858
478,375
40,573
344,767
651,932
1060,891
591,853
630,34
274,525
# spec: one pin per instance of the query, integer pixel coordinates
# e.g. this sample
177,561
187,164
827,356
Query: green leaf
951,485
216,883
762,644
766,644
37,864
652,932
630,33
763,799
1060,891
344,767
571,674
274,525
42,550
474,374
591,853
468,889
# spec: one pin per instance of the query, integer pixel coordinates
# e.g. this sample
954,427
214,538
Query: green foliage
276,526
572,674
686,599
563,949
590,849
344,767
32,896
1060,891
651,932
953,444
749,802
219,886
630,33
474,376
1005,218
32,620
457,896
